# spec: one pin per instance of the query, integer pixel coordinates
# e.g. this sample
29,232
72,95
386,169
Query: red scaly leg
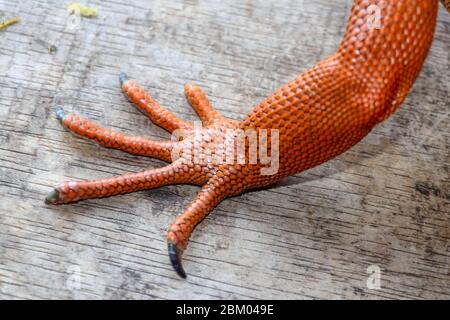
180,230
157,114
198,100
113,139
175,173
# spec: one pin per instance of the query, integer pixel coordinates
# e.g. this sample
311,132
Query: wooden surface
385,203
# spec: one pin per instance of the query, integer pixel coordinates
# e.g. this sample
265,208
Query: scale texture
321,114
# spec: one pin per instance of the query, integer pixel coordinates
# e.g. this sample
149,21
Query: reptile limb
317,116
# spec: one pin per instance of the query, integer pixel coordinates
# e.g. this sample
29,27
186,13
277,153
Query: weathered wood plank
386,202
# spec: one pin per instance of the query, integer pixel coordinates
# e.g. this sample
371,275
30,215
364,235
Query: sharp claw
175,259
52,197
123,78
60,114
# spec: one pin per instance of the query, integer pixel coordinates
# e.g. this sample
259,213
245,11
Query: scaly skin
319,115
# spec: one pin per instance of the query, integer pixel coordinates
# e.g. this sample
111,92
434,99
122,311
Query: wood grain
386,202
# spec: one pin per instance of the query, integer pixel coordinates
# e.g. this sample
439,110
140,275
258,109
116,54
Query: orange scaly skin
319,115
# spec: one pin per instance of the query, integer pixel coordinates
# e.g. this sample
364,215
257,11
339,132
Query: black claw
60,114
52,197
175,259
123,78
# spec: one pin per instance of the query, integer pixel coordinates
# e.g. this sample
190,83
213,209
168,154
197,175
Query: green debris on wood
5,24
78,8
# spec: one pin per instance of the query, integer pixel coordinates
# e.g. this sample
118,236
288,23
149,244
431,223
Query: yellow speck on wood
78,8
5,24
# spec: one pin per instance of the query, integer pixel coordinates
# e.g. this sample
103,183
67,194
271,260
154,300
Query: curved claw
175,259
52,197
123,78
180,230
60,114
